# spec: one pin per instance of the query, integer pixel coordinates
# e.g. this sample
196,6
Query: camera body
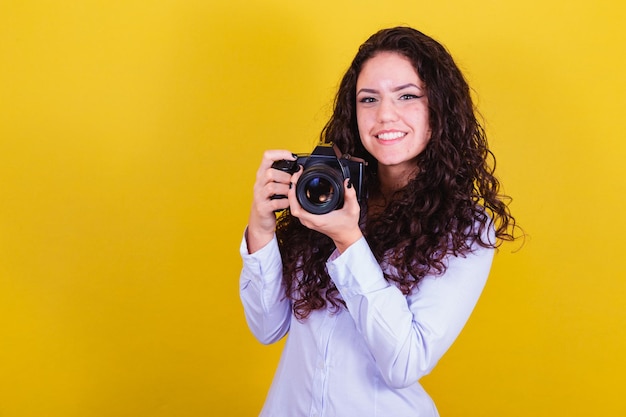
320,187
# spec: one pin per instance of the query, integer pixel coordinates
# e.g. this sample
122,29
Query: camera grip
285,165
290,167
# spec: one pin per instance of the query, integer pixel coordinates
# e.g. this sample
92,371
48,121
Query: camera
320,187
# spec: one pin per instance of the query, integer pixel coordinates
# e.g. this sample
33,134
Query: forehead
391,66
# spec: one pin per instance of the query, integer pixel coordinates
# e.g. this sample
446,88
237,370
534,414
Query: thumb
351,199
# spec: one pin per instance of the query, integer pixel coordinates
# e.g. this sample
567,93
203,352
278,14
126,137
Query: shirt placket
320,378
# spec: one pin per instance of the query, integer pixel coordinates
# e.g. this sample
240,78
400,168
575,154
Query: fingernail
290,185
294,156
349,184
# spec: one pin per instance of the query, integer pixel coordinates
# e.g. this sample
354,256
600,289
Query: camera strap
341,157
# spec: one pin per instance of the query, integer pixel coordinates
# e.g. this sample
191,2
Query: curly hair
446,209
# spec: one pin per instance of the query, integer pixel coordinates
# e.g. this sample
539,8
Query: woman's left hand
341,225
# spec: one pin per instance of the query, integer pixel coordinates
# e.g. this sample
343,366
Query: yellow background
130,132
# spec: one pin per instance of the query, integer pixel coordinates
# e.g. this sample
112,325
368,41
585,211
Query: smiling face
392,113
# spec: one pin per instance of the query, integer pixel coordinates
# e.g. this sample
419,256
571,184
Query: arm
407,335
266,308
269,182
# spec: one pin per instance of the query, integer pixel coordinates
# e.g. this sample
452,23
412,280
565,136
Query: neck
391,179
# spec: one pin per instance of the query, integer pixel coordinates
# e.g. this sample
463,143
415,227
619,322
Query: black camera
320,187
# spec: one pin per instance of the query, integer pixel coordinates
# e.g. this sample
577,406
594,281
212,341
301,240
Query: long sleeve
266,308
407,335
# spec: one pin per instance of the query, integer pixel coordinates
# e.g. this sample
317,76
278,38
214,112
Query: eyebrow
395,89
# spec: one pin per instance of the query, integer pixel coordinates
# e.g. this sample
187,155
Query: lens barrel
320,189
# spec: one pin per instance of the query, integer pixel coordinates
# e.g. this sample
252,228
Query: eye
410,96
367,100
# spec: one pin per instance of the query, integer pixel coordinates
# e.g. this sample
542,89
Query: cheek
362,133
421,122
366,140
361,122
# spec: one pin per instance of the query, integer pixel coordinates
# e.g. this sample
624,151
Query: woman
373,295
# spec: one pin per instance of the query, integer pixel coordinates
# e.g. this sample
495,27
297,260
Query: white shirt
366,360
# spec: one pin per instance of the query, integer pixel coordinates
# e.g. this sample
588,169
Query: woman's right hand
269,182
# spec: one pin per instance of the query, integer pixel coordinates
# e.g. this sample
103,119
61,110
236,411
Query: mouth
389,136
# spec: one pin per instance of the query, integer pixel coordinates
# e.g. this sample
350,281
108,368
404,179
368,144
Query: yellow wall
130,132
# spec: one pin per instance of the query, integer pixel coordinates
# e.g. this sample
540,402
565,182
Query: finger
297,175
272,155
275,190
294,204
265,174
276,175
350,198
278,203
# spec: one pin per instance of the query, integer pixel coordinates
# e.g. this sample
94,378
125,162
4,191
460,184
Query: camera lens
320,189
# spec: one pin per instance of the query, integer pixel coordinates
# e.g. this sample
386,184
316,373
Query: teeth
391,135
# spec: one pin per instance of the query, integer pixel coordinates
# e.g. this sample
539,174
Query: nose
387,111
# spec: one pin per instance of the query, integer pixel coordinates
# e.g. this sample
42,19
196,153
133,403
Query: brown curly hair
445,209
